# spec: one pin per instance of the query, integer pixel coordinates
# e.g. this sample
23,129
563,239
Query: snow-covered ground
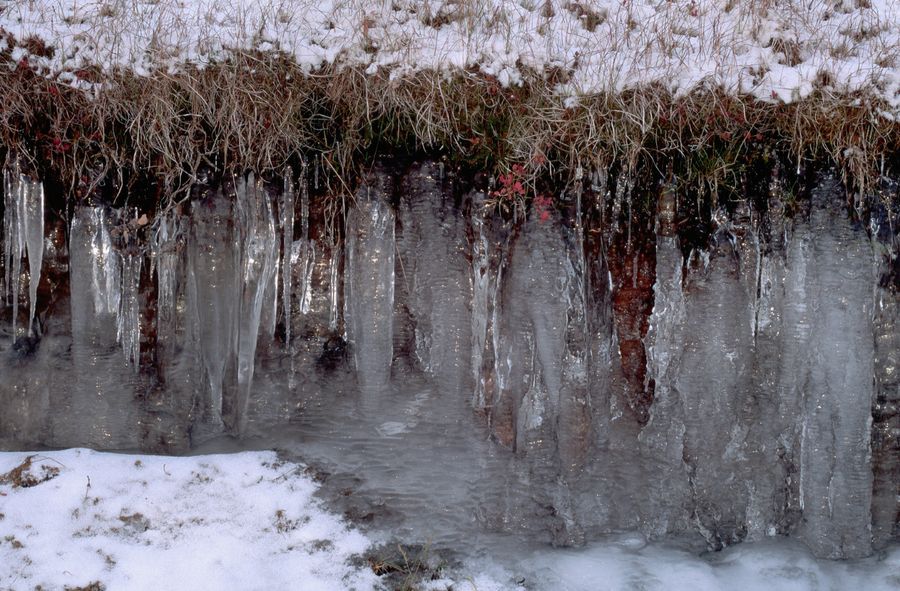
250,521
775,50
240,521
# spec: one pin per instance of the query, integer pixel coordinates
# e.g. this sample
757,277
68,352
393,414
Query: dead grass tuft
23,476
93,586
405,568
589,17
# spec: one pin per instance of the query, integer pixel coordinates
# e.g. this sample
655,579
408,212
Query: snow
250,521
239,521
778,50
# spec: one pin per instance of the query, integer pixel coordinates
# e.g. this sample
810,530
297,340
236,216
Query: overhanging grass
261,111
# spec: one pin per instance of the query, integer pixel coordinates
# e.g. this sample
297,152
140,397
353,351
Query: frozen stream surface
250,520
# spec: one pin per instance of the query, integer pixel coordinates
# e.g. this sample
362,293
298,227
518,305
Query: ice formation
23,232
369,284
770,351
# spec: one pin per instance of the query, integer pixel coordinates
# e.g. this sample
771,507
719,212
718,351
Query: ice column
435,285
166,245
369,283
128,328
484,295
574,423
714,385
835,405
662,438
213,283
532,340
106,273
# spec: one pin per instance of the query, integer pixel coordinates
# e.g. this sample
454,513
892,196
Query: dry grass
261,111
23,476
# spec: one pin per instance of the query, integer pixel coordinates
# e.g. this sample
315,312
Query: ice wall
769,347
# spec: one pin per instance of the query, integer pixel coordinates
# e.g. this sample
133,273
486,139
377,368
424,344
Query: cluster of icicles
762,348
236,289
23,232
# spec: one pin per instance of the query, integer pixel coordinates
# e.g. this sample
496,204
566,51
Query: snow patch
238,521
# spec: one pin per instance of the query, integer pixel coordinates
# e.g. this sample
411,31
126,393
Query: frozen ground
775,50
250,521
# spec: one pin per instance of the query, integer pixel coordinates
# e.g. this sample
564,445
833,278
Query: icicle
8,220
333,287
259,259
270,297
19,251
481,301
369,286
308,265
23,232
165,247
12,241
304,204
270,313
287,217
128,328
33,229
317,160
106,273
308,251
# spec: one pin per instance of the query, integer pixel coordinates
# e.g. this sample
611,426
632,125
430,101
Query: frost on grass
77,518
774,50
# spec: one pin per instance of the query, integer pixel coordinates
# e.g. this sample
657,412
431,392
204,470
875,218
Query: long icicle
308,251
287,216
259,254
18,244
9,234
33,227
